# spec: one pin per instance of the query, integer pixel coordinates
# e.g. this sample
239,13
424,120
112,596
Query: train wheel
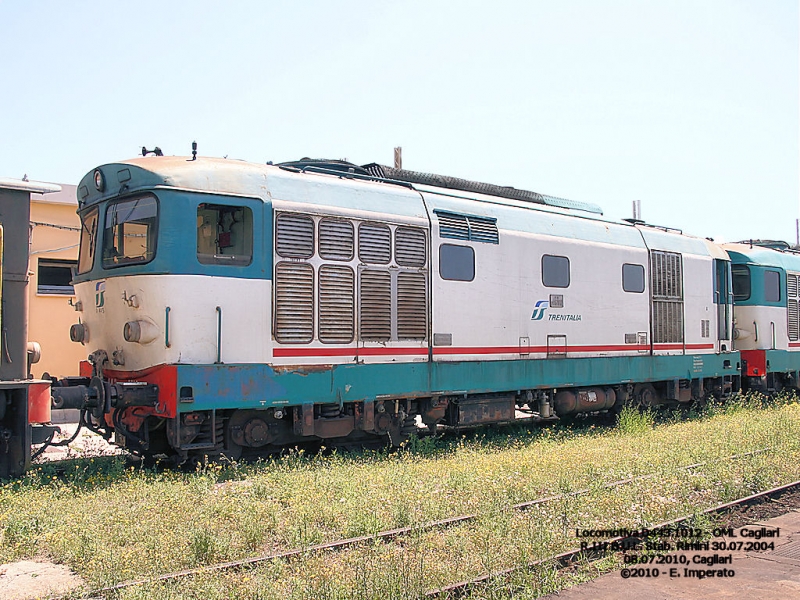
644,396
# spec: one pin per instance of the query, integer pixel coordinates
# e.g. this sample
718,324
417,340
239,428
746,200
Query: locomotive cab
767,330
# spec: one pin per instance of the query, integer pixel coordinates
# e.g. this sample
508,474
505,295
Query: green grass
111,523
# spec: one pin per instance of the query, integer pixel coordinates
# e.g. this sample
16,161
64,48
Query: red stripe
794,344
474,350
681,346
312,352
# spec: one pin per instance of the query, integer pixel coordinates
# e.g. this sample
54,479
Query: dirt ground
26,580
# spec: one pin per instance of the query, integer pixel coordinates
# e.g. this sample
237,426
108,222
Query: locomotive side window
456,263
224,234
374,244
129,236
88,240
772,286
555,271
741,282
336,239
633,278
294,236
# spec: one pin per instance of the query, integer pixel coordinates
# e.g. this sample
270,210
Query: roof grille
490,189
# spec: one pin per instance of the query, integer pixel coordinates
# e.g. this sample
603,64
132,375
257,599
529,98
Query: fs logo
538,310
100,294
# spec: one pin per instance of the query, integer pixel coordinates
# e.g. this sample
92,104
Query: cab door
723,300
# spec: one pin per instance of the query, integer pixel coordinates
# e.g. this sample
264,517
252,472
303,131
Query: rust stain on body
301,370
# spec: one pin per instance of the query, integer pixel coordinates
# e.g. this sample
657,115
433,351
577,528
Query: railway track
565,559
388,535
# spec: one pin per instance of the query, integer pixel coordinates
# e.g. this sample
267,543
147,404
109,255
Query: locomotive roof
760,255
237,177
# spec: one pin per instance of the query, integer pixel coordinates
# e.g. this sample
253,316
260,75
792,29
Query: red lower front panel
755,361
164,376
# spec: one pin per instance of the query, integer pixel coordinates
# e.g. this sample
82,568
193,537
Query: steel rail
569,557
383,535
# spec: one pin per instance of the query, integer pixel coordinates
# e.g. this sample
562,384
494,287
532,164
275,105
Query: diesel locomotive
227,306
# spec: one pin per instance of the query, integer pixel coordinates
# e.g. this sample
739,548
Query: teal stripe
259,386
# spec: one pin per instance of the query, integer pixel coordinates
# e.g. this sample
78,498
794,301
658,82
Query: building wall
55,234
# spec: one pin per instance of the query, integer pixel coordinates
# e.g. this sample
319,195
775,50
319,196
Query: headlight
79,333
99,180
139,332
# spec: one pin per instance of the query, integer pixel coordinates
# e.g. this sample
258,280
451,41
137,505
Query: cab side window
772,286
224,235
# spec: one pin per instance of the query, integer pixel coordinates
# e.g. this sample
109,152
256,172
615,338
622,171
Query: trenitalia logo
538,310
100,294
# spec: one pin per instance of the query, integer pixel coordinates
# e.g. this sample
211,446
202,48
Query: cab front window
129,235
88,240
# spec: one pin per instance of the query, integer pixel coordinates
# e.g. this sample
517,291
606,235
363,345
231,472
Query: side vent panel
294,303
336,239
666,270
336,304
409,248
483,230
467,227
374,244
375,305
453,226
294,236
412,313
793,304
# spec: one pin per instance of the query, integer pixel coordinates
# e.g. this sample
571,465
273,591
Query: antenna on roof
398,157
194,150
156,151
637,210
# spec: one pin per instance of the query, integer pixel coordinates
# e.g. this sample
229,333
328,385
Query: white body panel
762,328
193,318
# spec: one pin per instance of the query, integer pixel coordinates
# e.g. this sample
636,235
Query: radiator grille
483,230
791,285
409,247
294,303
667,286
667,322
793,306
336,239
667,275
705,328
412,313
294,236
794,320
336,304
453,226
375,305
374,243
463,227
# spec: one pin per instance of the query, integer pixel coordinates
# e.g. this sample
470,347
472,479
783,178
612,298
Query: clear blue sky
690,106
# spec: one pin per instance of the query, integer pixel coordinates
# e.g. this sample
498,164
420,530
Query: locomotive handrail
166,327
219,336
